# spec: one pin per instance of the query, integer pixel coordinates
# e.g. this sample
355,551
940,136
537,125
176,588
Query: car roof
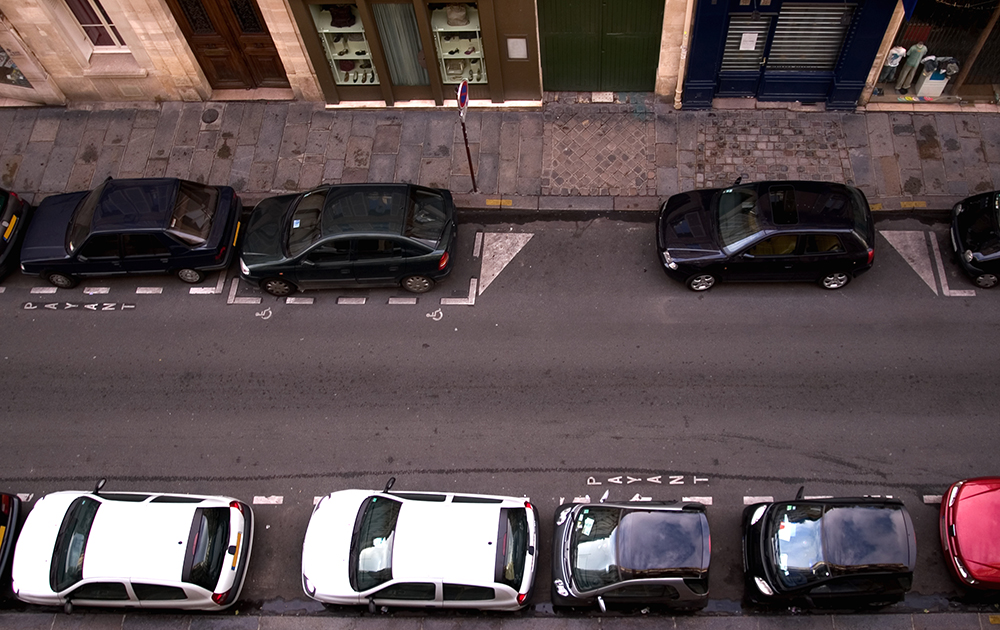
864,531
819,205
365,208
135,204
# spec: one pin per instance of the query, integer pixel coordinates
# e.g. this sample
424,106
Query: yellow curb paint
913,204
499,202
876,206
995,620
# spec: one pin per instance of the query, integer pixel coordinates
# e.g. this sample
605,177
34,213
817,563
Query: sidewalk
570,154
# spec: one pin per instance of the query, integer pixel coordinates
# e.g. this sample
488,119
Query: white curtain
397,25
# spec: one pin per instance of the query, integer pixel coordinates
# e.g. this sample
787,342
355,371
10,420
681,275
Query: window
371,547
330,252
736,210
783,209
193,212
100,246
368,248
427,218
512,547
133,497
780,245
466,593
158,592
136,245
407,590
100,590
67,556
96,23
207,543
823,244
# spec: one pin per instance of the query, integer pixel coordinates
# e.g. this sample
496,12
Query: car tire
191,276
834,280
277,287
701,282
417,284
61,280
986,281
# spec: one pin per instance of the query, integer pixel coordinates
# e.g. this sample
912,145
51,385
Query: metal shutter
809,36
734,59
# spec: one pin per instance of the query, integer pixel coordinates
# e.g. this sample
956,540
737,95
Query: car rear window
371,545
193,213
512,547
71,543
427,217
206,548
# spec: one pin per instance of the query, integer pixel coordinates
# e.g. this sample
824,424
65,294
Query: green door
600,45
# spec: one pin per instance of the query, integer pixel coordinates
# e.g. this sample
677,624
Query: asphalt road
581,368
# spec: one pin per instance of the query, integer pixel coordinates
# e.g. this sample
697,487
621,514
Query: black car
975,237
781,231
127,226
643,553
847,552
14,215
363,235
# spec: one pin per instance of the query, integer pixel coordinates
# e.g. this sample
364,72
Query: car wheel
277,287
986,281
61,280
191,276
417,284
835,280
701,282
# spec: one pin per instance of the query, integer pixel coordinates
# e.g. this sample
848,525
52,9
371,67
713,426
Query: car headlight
243,268
954,493
307,586
763,587
962,570
561,588
958,209
968,255
667,260
759,512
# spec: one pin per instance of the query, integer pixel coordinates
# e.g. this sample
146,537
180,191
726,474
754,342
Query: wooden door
231,42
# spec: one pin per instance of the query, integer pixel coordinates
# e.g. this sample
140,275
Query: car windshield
206,547
71,543
371,545
194,210
83,218
736,211
512,547
427,217
593,556
306,225
811,542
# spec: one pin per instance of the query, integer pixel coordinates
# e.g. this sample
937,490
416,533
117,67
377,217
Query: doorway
231,42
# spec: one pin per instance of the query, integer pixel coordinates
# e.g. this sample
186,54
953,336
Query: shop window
345,43
458,41
96,24
9,74
397,27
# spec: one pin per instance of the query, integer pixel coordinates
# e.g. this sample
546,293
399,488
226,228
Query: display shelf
459,48
346,49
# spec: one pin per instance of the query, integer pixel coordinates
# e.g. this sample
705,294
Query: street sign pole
463,105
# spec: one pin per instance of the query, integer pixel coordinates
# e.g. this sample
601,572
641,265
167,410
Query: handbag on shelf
457,14
341,15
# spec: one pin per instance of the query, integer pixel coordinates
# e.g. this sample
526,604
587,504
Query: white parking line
478,247
44,290
299,300
25,496
2,289
944,279
469,301
402,300
752,500
351,300
702,500
149,290
271,500
817,497
240,300
96,290
217,289
932,499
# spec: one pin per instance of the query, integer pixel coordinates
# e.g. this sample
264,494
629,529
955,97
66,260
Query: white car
421,549
129,549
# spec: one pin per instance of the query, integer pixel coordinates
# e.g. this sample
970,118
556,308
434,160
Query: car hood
326,550
46,236
976,522
265,230
686,224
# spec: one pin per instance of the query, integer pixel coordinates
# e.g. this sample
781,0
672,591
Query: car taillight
220,598
527,504
236,505
5,504
521,597
222,252
444,261
871,255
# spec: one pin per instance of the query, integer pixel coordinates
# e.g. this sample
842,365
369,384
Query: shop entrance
231,42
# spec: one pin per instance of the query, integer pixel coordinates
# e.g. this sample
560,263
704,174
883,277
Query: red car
970,531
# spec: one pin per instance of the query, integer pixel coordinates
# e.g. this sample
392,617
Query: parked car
421,549
10,512
970,531
638,553
846,552
130,549
975,237
364,235
767,231
14,215
133,226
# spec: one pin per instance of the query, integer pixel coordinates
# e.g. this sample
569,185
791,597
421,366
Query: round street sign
463,95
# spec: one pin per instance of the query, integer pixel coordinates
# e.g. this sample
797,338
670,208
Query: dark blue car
127,226
14,214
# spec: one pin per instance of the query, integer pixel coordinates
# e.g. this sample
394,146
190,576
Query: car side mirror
601,604
371,605
306,261
232,550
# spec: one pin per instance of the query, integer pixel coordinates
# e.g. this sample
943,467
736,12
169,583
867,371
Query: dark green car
358,235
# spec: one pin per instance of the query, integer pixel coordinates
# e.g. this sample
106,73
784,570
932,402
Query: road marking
498,250
2,289
436,315
639,497
299,300
271,500
469,301
316,500
702,500
752,500
817,497
912,246
265,314
239,300
25,496
932,499
96,290
944,279
43,289
499,202
149,290
351,300
912,204
402,300
217,289
584,499
478,247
